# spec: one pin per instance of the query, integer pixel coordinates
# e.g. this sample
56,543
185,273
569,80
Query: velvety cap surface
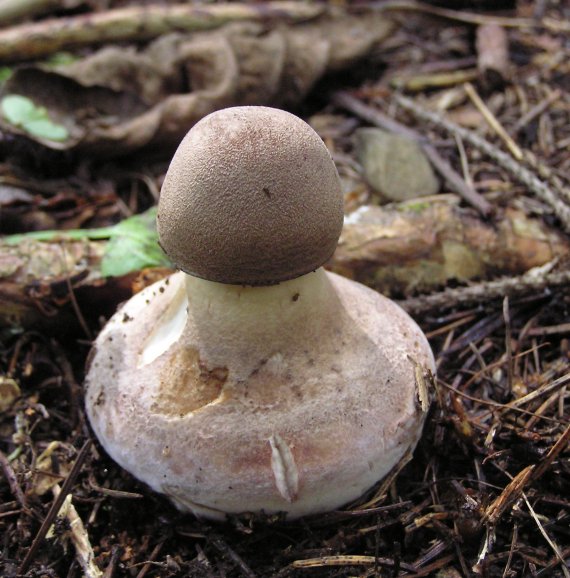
251,197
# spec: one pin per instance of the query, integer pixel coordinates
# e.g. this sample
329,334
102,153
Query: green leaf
45,128
133,246
60,59
24,113
5,73
18,109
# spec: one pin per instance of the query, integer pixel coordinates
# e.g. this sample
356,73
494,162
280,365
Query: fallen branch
521,173
11,10
535,281
139,23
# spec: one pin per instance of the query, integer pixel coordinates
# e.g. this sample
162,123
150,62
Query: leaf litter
486,492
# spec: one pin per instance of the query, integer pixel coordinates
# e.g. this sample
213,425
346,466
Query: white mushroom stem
247,324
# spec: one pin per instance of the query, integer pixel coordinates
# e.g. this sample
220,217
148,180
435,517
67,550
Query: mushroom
253,380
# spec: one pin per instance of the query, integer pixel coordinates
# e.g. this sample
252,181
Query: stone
394,166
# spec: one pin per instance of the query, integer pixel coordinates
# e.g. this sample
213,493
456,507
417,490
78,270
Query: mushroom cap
311,428
252,197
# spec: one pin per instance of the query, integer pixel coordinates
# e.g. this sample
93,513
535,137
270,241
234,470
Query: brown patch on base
186,384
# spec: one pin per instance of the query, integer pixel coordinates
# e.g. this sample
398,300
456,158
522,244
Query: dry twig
55,507
533,281
456,15
454,179
39,39
493,122
79,536
539,188
11,10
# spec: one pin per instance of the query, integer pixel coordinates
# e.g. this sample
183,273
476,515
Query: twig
457,15
55,507
537,110
72,298
554,546
518,171
508,343
335,561
547,570
116,553
226,550
39,39
12,480
554,452
79,537
514,538
11,10
146,567
115,493
540,392
549,330
492,121
511,493
514,287
453,178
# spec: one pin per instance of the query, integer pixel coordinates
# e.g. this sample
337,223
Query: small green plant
5,73
132,244
22,112
60,59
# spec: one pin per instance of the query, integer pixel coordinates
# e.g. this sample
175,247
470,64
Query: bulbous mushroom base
312,402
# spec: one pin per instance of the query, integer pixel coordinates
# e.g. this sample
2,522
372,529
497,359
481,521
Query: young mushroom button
254,380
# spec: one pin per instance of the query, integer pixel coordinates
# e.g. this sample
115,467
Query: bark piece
492,55
421,246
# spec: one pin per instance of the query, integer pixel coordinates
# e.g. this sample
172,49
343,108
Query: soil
487,490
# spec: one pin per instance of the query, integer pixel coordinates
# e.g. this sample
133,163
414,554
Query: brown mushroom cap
252,197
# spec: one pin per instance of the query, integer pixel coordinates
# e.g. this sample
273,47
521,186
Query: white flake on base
284,468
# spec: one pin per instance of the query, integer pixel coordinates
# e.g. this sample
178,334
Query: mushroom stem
247,323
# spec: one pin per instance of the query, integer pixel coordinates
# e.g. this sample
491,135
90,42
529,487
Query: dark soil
487,492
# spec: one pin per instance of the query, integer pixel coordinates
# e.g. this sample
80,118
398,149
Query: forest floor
484,87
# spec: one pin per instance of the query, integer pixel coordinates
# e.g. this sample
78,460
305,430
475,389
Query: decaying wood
468,17
492,54
156,93
139,23
422,246
36,279
395,249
